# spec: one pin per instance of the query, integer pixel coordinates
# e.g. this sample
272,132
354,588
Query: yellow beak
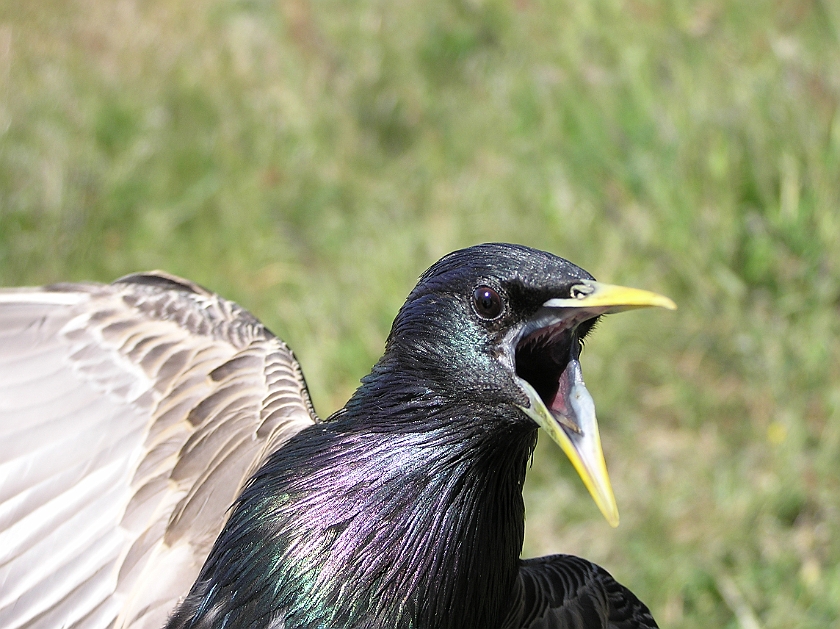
571,423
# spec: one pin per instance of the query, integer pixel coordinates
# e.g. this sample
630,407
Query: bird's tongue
561,405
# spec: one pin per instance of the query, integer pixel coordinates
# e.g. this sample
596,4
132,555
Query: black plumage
402,510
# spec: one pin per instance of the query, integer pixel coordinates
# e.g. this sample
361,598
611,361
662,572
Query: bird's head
502,325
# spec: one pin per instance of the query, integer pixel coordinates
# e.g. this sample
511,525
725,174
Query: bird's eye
487,302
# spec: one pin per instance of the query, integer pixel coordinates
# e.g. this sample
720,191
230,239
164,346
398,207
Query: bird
162,465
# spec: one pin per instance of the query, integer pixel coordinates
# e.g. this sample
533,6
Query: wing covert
131,414
567,592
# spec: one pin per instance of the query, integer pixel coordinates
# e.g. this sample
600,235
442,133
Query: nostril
579,291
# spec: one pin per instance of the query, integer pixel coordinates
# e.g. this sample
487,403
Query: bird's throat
439,529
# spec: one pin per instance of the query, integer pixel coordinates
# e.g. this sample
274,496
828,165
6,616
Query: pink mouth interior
560,403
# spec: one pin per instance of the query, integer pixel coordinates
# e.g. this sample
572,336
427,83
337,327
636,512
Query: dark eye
487,302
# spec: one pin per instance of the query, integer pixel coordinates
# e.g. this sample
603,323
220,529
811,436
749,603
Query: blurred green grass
309,160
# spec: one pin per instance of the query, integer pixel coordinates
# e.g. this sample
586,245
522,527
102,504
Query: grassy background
310,159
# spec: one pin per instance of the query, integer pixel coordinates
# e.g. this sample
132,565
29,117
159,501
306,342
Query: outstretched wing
567,592
131,415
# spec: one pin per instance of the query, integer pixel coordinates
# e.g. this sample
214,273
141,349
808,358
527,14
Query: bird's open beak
570,417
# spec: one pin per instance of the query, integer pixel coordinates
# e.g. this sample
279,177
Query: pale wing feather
130,417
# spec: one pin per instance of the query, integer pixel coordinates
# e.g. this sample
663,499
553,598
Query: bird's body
390,528
402,510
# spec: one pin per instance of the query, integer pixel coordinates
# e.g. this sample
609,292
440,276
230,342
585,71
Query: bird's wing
567,592
131,414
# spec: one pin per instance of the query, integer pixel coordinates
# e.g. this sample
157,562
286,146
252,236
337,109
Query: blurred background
310,159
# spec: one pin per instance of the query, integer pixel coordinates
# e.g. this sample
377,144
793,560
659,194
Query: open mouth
542,357
548,371
546,356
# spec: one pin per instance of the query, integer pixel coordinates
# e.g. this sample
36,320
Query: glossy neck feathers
404,510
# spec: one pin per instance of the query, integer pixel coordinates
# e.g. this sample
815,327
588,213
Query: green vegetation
310,159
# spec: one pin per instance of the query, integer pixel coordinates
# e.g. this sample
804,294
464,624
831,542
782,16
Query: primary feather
133,415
